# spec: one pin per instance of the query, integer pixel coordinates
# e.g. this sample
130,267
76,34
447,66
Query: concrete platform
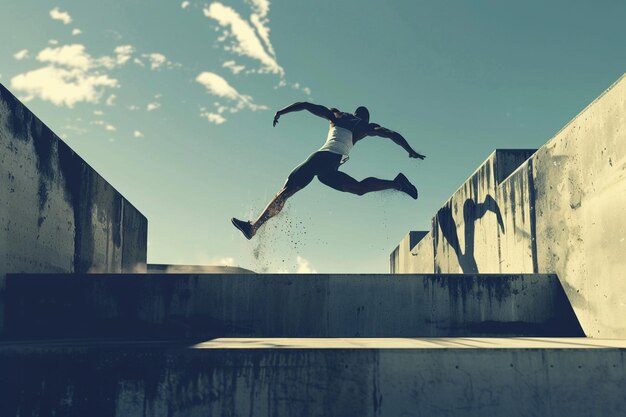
281,305
304,377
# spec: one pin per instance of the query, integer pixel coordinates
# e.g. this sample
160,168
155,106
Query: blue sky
172,103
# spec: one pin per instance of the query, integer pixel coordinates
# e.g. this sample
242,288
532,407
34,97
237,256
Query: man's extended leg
343,182
299,178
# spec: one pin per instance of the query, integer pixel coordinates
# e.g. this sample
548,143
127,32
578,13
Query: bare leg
275,206
343,182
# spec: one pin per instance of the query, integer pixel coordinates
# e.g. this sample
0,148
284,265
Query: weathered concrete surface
563,211
469,233
580,187
472,229
414,254
135,379
57,213
282,305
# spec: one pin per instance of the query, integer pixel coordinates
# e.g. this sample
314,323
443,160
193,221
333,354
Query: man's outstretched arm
377,130
316,109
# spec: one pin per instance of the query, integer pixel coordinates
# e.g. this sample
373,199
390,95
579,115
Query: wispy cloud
214,118
123,53
76,32
137,134
184,5
219,87
64,17
244,40
23,54
156,60
73,56
62,86
232,65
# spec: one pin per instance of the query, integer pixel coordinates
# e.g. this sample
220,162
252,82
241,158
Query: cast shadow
471,213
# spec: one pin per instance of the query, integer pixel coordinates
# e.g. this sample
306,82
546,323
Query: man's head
362,113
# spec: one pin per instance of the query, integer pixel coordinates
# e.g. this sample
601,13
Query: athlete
346,130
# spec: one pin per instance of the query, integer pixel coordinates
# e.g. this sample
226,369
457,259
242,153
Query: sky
172,103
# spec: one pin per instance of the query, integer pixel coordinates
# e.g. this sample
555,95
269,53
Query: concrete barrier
413,244
364,378
562,211
57,213
281,305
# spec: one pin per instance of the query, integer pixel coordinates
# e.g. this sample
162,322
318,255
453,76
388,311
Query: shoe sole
407,186
240,229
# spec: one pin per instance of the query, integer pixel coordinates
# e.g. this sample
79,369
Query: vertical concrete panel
135,239
515,198
580,180
414,254
468,230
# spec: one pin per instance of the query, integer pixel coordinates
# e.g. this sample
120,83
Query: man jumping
345,131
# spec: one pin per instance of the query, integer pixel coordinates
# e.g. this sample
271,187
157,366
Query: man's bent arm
315,109
397,138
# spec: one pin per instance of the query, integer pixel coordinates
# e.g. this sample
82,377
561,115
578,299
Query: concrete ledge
281,305
138,380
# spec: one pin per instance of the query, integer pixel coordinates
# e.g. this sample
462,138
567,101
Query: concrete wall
580,189
56,213
283,305
563,211
137,380
414,254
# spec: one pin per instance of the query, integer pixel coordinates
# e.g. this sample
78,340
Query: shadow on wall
471,213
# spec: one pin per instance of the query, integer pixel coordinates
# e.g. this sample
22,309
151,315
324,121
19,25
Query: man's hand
276,117
414,154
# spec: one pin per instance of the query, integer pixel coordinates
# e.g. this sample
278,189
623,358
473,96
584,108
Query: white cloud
133,107
184,4
260,7
98,112
73,56
215,118
245,39
21,54
64,17
111,100
153,106
76,32
232,65
123,53
263,30
137,134
110,128
62,86
219,87
156,60
139,62
53,42
304,267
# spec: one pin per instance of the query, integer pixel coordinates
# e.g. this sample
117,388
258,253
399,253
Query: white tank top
339,141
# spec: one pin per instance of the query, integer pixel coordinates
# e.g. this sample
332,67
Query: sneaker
406,186
244,227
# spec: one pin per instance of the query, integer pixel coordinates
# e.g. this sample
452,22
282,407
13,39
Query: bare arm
398,139
316,109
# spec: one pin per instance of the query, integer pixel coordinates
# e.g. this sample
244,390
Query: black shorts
318,163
